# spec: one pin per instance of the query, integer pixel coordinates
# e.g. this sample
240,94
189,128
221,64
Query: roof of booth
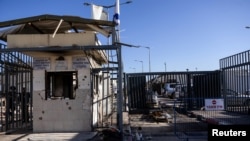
47,24
50,24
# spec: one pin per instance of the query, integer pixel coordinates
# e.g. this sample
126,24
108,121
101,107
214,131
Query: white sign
41,63
79,62
214,104
61,65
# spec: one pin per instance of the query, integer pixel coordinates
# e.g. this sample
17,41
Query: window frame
61,84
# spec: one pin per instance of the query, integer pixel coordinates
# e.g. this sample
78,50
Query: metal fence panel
140,87
15,91
235,71
193,123
182,99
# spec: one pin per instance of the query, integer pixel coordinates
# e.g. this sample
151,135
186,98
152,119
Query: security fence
193,99
192,122
15,91
235,75
231,82
141,87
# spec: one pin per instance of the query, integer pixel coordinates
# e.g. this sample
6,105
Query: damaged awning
46,24
55,25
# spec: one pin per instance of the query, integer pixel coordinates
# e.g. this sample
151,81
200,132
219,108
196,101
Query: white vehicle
233,98
172,90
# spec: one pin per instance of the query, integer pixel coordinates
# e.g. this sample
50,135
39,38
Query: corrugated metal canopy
47,24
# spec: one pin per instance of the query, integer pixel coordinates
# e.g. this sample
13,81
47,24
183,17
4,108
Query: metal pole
120,91
142,65
149,60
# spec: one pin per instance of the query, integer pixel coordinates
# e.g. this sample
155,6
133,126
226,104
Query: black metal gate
236,82
197,84
183,99
15,91
137,91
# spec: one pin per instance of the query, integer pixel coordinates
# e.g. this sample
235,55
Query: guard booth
70,89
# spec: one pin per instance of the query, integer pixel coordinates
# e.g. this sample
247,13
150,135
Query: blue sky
184,34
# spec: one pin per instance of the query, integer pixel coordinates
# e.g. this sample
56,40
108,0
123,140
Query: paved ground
161,130
149,128
82,136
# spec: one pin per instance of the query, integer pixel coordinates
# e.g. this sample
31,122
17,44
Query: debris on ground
161,116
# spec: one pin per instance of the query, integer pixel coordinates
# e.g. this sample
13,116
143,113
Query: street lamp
133,69
165,66
141,63
108,6
120,95
149,64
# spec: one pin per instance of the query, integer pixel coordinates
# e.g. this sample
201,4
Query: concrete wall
62,115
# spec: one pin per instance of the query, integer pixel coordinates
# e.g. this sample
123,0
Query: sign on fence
214,104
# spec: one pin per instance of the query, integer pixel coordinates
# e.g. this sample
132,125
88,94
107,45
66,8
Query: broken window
97,81
61,84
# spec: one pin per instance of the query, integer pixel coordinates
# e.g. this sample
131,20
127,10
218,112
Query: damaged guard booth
65,52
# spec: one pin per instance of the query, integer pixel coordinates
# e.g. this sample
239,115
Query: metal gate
236,82
141,87
179,98
15,91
